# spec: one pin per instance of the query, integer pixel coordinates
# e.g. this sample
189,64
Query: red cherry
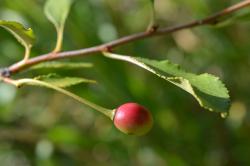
132,118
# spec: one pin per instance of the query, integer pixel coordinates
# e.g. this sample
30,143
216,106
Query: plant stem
213,19
59,40
108,112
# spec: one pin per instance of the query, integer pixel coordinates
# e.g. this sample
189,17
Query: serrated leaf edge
169,79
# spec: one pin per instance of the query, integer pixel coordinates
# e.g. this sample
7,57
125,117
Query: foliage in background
59,131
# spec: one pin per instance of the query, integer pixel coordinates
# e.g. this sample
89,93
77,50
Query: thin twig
213,19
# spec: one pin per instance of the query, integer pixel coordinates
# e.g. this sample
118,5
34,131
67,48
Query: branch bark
210,20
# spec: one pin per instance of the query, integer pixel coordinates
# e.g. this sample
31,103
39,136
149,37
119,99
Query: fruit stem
108,112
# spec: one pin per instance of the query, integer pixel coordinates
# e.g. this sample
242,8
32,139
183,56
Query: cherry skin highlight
132,118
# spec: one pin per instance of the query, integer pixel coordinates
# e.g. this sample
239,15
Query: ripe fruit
132,118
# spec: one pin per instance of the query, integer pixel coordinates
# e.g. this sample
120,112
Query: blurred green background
42,127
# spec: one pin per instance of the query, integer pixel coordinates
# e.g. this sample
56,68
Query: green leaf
207,89
24,35
62,82
57,12
64,65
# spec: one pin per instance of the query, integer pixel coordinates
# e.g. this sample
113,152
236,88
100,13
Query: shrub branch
210,20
